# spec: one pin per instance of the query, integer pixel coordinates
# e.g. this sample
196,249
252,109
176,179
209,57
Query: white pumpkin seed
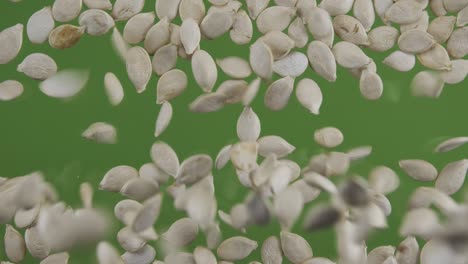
165,59
308,93
295,247
294,64
244,155
15,248
408,251
38,66
328,137
65,36
65,84
145,255
10,90
436,58
113,88
271,251
424,197
96,21
450,144
236,248
248,125
170,85
182,232
274,145
57,258
129,240
400,61
100,132
116,178
138,26
12,41
251,92
404,12
320,25
415,41
419,222
35,244
322,60
233,89
383,38
278,93
383,180
209,102
287,207
126,9
363,11
359,152
148,214
120,46
40,24
139,189
26,217
297,31
336,7
456,46
381,7
192,9
242,28
275,18
435,251
139,67
303,7
349,55
190,35
452,176
98,4
194,169
203,255
419,170
235,67
151,172
370,85
457,74
279,43
66,10
421,24
165,158
216,24
255,7
455,6
167,8
164,118
157,36
437,7
462,17
179,257
383,203
427,84
223,157
107,254
350,29
380,254
126,210
441,28
204,70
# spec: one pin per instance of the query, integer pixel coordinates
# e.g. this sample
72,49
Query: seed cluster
278,187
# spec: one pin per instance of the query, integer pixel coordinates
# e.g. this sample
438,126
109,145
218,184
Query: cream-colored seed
136,28
12,41
39,26
66,10
126,9
139,67
65,36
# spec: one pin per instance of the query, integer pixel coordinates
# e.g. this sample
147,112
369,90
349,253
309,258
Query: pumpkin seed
452,176
138,26
165,158
236,248
427,84
145,255
139,189
383,203
223,157
235,67
371,85
182,232
126,210
190,35
40,24
98,4
303,7
107,254
350,29
255,7
26,217
381,7
274,145
294,64
415,41
457,73
242,28
404,12
216,24
278,93
421,24
455,6
408,251
380,254
113,88
100,132
349,55
383,180
148,214
363,11
297,31
436,58
139,67
383,38
194,169
15,248
129,240
441,28
151,172
244,155
248,125
203,255
35,244
271,251
336,7
456,46
204,70
66,10
320,25
251,92
450,144
170,85
359,152
435,251
329,137
419,222
167,8
275,18
400,61
322,60
164,118
64,84
10,90
116,178
97,22
209,102
233,89
437,7
192,9
279,43
126,9
179,257
462,17
57,258
38,66
12,40
287,206
308,93
65,36
261,59
295,247
419,170
157,36
165,59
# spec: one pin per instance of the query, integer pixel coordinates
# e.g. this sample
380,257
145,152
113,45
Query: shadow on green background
42,133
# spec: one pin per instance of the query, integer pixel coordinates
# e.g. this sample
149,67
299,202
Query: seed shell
12,41
139,67
39,25
65,36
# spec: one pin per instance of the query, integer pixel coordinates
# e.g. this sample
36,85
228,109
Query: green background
42,133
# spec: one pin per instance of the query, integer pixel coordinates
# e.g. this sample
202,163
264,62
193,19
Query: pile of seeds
294,34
